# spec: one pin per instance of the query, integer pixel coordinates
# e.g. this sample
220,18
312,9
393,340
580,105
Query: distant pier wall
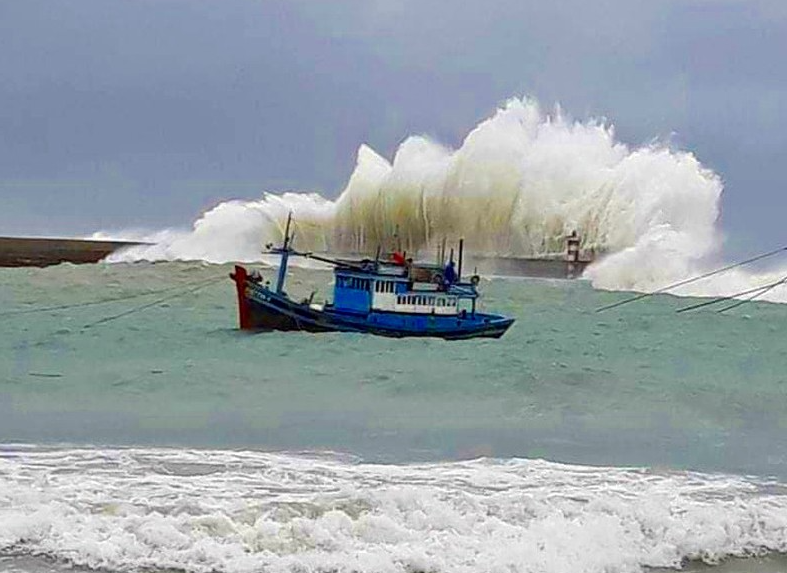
35,252
525,267
486,265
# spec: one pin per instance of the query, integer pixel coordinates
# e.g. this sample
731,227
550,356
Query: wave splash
520,181
200,511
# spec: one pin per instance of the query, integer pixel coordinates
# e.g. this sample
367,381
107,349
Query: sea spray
520,181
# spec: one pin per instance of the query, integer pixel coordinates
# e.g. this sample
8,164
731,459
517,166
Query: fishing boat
393,297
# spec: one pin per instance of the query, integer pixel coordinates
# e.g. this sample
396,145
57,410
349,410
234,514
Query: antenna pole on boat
285,254
459,270
287,231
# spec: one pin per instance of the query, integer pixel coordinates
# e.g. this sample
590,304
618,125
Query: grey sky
143,113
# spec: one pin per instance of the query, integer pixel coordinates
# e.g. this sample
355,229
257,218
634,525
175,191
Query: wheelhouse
364,292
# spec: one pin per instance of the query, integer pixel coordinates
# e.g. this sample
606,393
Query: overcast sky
143,113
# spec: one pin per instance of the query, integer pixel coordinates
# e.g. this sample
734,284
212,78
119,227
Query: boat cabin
399,290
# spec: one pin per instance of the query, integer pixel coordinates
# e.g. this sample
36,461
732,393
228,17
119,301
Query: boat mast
285,255
461,253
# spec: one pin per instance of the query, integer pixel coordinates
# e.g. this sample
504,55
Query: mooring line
199,286
84,304
725,298
93,302
765,289
693,279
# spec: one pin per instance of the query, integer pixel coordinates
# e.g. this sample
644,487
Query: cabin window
357,283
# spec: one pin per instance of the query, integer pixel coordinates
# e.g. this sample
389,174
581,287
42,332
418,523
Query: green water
637,385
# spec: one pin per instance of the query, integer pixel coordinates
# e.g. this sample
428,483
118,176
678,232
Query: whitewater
517,185
246,511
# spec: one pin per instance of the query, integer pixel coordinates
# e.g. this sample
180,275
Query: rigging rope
691,280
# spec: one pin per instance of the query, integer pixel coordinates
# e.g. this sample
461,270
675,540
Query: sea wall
36,252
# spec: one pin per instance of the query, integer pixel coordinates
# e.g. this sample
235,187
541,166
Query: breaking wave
202,511
520,182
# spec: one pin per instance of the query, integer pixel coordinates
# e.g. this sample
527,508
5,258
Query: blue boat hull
262,309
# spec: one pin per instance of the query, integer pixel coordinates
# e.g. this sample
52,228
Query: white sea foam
520,181
245,511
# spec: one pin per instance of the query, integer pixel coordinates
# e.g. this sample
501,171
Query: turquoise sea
166,439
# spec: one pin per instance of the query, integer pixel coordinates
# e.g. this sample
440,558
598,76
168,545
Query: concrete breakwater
40,252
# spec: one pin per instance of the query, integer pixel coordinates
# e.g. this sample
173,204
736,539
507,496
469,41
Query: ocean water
165,439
